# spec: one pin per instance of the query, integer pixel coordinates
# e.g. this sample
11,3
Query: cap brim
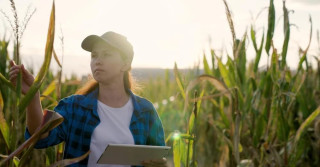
89,41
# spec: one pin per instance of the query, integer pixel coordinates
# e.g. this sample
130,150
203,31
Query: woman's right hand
27,77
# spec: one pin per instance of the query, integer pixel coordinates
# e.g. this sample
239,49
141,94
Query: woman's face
107,66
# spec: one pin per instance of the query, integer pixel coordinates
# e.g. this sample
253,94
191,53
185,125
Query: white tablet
125,154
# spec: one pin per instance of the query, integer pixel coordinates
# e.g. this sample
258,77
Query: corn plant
12,118
251,116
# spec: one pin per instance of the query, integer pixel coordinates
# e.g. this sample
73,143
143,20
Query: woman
105,111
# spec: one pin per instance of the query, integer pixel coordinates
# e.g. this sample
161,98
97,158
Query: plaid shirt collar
90,102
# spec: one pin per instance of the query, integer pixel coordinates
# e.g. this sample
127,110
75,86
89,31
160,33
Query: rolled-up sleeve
58,134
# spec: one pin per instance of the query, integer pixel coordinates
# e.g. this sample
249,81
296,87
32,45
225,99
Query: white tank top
113,129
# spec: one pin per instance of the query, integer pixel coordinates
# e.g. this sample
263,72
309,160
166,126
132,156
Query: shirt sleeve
58,134
156,133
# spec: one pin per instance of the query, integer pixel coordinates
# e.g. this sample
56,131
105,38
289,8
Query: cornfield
230,113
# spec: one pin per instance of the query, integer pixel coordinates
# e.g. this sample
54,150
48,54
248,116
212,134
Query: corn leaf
206,66
258,55
241,59
26,157
223,115
274,66
16,161
233,72
212,53
259,129
299,142
66,162
169,137
298,152
286,27
304,57
59,152
305,125
191,156
212,80
3,55
3,124
51,120
56,58
226,75
282,124
253,38
176,152
271,26
192,116
42,73
51,87
6,82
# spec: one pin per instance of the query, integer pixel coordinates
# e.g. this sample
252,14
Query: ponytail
88,87
127,81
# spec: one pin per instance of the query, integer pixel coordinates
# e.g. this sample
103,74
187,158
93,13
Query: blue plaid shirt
81,117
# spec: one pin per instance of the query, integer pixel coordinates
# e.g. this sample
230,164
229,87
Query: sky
162,32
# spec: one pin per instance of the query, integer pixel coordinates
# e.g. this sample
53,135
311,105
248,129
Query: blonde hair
92,84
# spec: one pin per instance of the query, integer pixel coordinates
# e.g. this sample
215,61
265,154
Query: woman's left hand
155,163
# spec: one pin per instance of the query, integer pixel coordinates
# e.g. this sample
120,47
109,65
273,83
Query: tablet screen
125,154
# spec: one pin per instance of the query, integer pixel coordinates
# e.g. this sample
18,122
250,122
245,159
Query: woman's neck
113,95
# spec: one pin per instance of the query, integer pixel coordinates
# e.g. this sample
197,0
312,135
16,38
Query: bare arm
34,113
